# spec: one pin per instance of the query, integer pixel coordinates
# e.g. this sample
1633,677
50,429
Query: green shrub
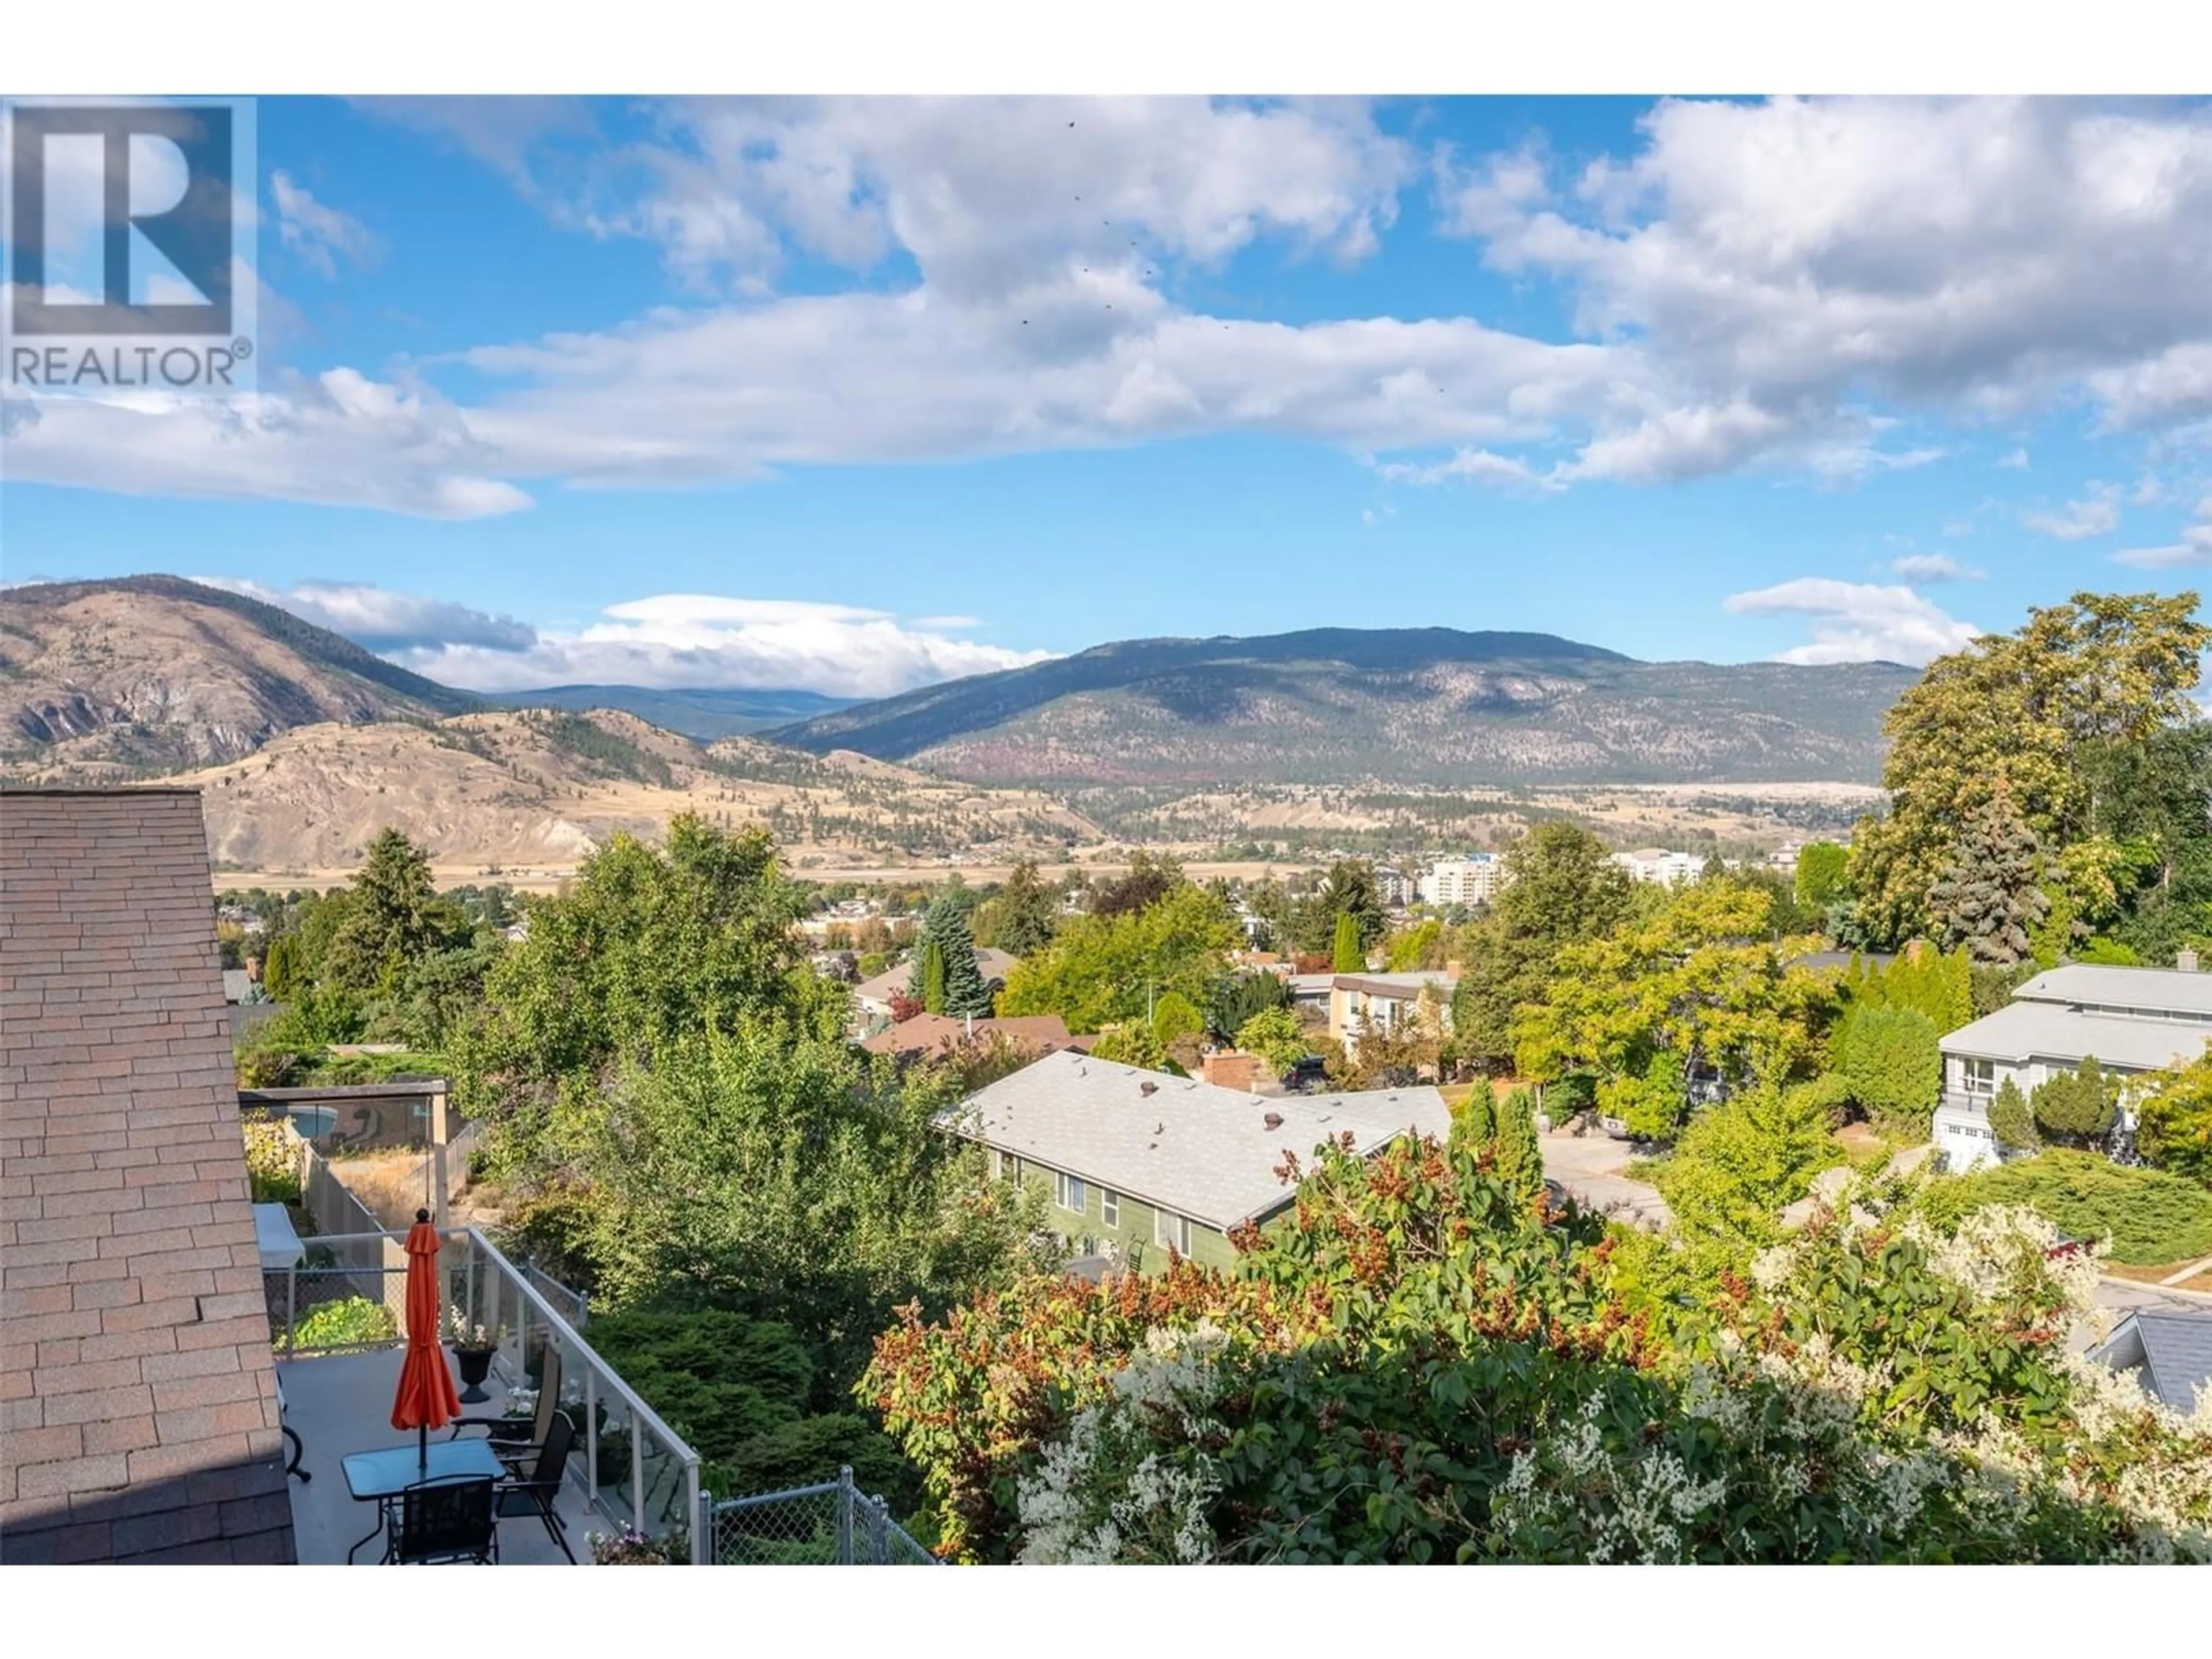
2011,1121
1889,1058
2154,1217
272,1156
355,1323
2076,1108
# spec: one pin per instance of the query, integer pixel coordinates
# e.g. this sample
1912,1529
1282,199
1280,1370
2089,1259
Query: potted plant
631,1548
473,1345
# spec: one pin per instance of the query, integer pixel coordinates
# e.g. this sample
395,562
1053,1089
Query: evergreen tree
1821,877
281,974
1349,960
2011,1121
928,983
1025,913
1475,1124
393,919
1989,899
944,962
2076,1108
1519,1154
1889,1060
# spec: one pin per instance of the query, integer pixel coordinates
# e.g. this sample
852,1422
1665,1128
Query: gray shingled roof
1192,1147
2176,1353
2021,1032
893,981
2163,990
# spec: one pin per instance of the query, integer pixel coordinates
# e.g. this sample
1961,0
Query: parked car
1309,1072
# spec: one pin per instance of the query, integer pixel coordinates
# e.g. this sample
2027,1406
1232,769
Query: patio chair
537,1493
453,1518
517,1439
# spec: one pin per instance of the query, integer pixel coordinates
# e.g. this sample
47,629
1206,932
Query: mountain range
144,676
1427,705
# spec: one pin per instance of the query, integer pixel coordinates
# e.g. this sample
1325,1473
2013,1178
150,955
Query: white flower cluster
2005,1247
1128,1481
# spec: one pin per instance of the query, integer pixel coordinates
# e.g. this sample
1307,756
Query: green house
1138,1165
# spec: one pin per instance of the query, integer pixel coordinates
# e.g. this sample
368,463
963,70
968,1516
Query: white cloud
1973,256
320,233
2097,515
710,639
1746,282
1857,622
1930,567
1480,466
385,621
2193,547
2014,461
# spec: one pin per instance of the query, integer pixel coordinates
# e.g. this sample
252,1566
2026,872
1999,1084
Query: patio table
379,1476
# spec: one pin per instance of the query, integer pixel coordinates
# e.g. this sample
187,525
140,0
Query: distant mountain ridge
1429,706
147,674
702,713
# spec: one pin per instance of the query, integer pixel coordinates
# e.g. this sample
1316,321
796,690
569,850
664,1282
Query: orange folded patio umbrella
426,1400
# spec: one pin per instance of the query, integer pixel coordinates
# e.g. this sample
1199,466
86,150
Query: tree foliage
1346,955
1020,918
1888,1060
2175,1130
945,966
1822,875
2076,1108
1098,969
1990,897
1696,982
1563,890
2011,1121
1275,1035
2025,714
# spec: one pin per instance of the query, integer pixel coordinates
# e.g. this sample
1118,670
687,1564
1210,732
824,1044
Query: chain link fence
832,1524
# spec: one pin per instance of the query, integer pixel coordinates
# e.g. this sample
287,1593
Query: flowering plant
471,1337
520,1402
631,1548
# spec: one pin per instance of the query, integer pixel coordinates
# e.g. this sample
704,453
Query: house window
1980,1076
1110,1207
1068,1192
1171,1231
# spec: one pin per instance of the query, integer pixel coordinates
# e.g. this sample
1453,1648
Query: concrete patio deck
343,1404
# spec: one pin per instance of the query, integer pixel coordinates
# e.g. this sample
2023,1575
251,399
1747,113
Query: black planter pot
476,1365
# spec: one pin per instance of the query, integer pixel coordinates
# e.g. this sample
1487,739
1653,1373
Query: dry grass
391,1185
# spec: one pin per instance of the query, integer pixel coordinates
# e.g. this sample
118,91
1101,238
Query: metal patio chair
450,1519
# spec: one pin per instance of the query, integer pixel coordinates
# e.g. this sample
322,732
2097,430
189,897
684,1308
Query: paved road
1589,1167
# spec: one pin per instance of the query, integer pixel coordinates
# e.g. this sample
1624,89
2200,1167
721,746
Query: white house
1656,864
2130,1020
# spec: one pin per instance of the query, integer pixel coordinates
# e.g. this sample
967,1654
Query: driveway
1589,1167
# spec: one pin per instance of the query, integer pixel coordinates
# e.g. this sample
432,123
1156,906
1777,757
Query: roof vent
1274,1120
1148,1089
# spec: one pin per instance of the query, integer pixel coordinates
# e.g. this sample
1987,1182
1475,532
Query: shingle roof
2021,1032
1398,986
1191,1147
2159,989
2177,1350
134,1340
927,1032
893,981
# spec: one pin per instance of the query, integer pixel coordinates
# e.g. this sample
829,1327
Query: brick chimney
2185,960
1233,1071
1456,969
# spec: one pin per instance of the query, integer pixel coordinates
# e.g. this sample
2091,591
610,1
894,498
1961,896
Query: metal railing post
636,1473
845,1516
591,1433
702,1513
292,1310
878,1536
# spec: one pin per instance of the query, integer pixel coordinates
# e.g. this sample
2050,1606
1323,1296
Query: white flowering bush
1131,1479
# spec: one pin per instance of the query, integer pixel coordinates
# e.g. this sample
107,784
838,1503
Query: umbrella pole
422,1450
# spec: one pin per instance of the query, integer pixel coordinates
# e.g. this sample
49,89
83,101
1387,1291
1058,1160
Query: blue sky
857,394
